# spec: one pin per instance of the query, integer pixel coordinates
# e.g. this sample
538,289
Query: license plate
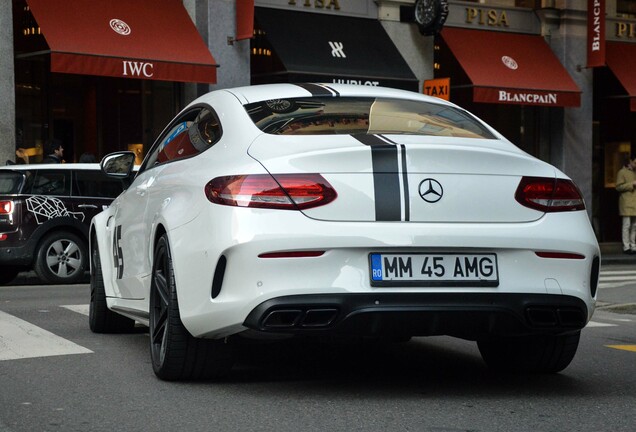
443,269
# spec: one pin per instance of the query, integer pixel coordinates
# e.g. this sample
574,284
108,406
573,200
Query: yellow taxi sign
439,87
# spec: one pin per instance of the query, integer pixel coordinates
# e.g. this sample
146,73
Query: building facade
521,65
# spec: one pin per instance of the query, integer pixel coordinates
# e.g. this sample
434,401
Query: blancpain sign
529,98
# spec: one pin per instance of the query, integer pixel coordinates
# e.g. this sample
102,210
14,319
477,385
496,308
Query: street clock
430,15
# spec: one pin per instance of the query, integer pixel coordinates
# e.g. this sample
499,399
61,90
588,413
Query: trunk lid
408,178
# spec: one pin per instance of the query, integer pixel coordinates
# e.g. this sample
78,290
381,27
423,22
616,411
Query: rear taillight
280,191
549,194
6,207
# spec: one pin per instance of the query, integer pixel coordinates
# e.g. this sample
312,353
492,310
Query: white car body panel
482,218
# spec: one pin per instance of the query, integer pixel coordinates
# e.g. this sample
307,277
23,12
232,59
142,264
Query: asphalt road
58,376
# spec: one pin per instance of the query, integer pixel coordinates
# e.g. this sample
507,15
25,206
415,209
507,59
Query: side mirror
118,164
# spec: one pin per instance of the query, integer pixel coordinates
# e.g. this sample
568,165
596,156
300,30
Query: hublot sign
321,4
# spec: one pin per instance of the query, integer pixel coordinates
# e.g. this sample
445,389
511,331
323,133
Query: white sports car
334,210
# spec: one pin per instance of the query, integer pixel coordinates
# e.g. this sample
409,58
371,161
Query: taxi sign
439,87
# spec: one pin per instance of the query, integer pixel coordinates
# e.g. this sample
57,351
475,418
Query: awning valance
511,68
145,39
313,47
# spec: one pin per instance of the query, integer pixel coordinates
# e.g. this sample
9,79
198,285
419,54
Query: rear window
96,184
11,182
343,115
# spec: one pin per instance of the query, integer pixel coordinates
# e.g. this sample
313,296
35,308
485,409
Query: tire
7,274
530,354
100,318
61,258
174,352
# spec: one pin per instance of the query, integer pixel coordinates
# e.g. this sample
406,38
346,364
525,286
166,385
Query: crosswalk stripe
20,339
81,309
614,284
616,278
599,324
618,272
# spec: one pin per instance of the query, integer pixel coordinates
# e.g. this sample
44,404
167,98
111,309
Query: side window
191,134
95,184
50,182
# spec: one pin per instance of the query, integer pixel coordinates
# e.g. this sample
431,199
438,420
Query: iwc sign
430,15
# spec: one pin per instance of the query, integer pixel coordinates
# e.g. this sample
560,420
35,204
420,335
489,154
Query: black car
45,212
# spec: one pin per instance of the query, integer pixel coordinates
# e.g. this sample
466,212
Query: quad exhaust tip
299,318
552,317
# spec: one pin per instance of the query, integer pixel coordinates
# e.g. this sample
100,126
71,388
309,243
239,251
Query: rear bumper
215,300
16,256
467,315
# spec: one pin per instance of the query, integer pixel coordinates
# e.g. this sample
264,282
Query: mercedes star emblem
431,190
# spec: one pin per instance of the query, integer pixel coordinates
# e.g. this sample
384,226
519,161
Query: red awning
146,39
244,19
511,68
621,59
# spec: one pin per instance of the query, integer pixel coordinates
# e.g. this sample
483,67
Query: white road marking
81,309
20,339
618,272
599,324
616,278
615,285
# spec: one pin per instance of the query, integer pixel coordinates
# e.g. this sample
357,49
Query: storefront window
88,113
626,8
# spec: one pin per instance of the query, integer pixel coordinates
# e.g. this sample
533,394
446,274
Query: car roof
257,93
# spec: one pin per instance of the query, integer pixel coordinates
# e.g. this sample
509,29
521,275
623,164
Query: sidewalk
612,253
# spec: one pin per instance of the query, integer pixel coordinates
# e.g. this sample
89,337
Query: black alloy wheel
175,353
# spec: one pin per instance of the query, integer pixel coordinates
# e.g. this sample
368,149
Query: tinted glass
343,115
46,182
10,182
195,132
96,184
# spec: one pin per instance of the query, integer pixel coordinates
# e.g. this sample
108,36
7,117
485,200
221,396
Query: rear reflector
295,254
280,191
3,237
549,194
6,207
560,255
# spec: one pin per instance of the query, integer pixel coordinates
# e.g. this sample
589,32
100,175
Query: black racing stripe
405,179
335,93
386,182
315,89
370,140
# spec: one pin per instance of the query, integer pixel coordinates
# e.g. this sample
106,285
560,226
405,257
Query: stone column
216,22
565,29
416,49
7,85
